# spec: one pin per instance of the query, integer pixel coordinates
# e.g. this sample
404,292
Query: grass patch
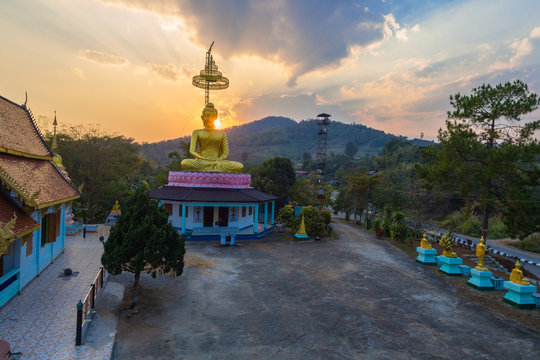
530,243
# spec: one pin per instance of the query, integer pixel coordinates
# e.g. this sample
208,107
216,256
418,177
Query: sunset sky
127,64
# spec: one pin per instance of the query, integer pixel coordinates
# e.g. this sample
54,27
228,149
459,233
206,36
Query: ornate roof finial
25,99
54,146
57,159
210,78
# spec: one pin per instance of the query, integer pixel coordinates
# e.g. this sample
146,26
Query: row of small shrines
519,290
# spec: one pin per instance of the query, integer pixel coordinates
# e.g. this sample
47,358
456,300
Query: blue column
272,216
265,215
183,219
256,220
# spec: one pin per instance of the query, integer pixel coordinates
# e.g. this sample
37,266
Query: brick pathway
40,322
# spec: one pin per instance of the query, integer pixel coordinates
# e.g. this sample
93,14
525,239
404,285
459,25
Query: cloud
305,35
168,71
520,48
535,33
391,28
103,58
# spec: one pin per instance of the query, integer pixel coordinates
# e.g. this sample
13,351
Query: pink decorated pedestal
209,179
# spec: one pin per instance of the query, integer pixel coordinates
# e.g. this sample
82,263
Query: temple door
208,216
223,216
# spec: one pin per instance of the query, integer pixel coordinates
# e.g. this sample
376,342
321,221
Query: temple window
50,228
168,208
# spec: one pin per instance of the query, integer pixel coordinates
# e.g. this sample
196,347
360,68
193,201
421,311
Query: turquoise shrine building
206,206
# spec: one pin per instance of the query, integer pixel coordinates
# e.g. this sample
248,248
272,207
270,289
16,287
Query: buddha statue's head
209,116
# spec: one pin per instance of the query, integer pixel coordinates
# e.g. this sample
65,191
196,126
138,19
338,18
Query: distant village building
33,200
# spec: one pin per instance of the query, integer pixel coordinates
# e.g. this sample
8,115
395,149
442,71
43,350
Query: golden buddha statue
424,244
516,276
116,208
209,147
480,252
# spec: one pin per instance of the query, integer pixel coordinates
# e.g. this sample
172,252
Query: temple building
34,196
212,205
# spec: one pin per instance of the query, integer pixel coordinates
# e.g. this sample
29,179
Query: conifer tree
143,240
489,155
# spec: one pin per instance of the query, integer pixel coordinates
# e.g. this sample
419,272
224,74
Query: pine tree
489,155
143,240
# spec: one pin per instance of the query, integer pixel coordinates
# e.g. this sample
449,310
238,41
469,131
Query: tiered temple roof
18,133
24,223
25,160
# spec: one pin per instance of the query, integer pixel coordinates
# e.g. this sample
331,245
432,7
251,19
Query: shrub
314,220
399,229
497,229
326,216
286,215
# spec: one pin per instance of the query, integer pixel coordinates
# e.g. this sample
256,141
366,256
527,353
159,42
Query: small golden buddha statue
209,147
516,276
116,207
424,243
480,252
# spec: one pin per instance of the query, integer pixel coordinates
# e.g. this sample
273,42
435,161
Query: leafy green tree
351,149
275,176
99,164
307,161
488,154
143,240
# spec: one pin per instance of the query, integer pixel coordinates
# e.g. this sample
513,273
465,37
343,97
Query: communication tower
322,121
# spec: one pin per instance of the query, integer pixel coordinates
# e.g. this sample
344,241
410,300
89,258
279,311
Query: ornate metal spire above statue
210,147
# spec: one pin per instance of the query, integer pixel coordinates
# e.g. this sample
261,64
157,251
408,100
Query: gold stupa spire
57,159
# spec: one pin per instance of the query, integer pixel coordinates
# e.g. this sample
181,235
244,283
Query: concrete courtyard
352,298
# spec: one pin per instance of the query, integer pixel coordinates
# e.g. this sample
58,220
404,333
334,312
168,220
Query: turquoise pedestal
303,237
426,256
520,296
450,266
481,280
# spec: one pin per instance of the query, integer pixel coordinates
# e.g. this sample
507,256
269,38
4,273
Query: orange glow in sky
127,65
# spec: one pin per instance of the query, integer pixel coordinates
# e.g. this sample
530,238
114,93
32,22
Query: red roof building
33,200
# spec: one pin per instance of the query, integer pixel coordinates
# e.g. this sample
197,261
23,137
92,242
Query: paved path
352,298
40,322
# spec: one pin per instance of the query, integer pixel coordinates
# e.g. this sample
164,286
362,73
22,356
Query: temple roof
24,223
37,182
18,132
217,195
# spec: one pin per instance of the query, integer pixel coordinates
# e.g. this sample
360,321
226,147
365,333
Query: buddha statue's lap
210,148
211,166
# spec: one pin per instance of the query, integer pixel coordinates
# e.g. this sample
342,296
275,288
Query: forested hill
281,136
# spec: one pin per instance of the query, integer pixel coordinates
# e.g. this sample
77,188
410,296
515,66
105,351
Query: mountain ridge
272,136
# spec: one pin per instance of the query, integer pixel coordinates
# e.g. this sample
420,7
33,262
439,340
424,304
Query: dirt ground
357,297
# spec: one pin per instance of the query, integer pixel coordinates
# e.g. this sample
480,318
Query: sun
217,124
